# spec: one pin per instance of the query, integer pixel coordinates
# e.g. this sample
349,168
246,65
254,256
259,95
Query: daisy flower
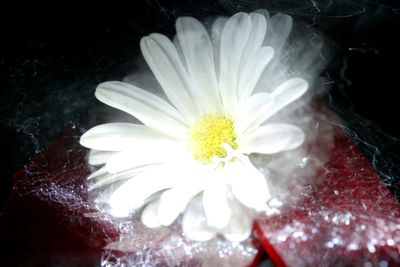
191,154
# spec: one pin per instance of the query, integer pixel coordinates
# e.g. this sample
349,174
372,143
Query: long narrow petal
233,42
279,28
252,110
194,222
216,32
198,52
129,159
256,37
123,136
252,71
272,138
216,206
144,155
97,157
149,215
97,173
285,94
163,59
265,13
240,225
249,185
175,200
146,107
282,96
110,178
133,193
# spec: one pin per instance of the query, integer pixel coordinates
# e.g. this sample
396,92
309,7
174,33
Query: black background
52,58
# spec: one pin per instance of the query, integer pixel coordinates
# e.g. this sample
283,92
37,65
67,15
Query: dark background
52,58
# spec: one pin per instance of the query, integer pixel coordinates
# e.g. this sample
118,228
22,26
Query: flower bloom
191,154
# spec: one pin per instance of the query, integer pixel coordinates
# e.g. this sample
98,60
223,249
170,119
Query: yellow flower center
208,135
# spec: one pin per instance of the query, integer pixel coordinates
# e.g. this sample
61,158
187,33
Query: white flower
191,155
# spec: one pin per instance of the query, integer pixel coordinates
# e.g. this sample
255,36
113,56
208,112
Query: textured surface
344,216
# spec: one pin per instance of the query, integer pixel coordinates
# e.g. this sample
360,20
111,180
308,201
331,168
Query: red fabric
344,217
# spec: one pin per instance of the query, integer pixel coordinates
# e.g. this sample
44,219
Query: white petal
122,136
110,178
97,173
233,42
240,225
146,107
252,110
279,27
265,13
97,157
216,205
282,96
271,139
194,222
175,200
249,185
178,48
216,32
197,49
252,71
149,214
163,59
143,155
286,93
130,159
133,193
256,37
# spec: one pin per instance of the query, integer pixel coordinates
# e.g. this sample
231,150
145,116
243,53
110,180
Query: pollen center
208,135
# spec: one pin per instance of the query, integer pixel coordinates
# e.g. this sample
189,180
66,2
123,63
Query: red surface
344,217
